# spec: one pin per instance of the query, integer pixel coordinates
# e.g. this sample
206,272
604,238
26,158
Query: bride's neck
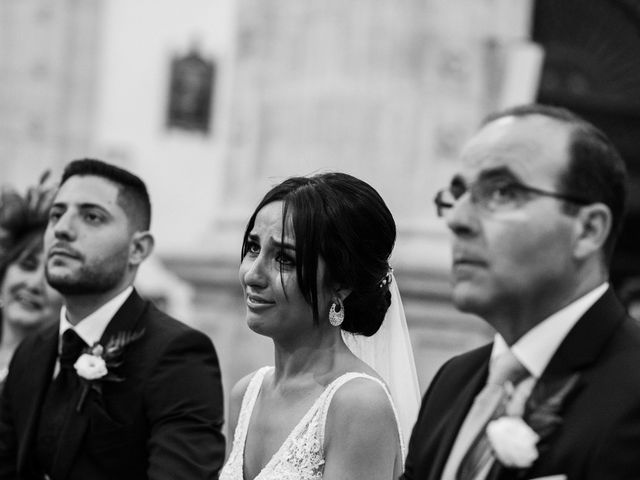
314,358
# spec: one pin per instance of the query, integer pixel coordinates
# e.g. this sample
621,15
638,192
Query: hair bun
365,311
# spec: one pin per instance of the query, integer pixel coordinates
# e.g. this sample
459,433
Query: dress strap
340,381
248,402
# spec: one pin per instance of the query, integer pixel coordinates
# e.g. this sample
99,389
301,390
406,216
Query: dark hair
595,170
345,221
132,192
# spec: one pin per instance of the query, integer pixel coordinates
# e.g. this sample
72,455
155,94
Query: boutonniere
544,407
515,440
97,362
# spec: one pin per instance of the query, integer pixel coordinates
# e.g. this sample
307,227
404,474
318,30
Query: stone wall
385,90
48,75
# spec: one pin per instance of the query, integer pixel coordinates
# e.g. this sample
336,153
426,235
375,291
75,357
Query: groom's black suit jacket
599,437
162,422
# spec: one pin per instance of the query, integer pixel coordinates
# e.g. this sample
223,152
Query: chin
256,325
469,299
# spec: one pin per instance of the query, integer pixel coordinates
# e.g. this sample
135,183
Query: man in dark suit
534,214
117,389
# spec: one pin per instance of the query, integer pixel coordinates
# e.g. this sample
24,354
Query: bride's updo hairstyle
345,221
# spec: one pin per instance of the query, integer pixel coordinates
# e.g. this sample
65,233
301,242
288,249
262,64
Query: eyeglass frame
441,205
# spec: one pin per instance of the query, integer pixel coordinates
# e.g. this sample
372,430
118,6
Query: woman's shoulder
361,398
360,389
361,420
240,387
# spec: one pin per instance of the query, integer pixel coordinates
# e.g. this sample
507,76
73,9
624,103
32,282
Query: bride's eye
286,260
253,248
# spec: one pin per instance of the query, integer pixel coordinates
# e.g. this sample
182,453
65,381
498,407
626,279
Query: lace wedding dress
301,456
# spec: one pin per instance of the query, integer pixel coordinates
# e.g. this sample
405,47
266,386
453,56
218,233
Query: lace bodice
301,456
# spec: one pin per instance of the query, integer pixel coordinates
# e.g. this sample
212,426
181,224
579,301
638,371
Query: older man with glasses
534,213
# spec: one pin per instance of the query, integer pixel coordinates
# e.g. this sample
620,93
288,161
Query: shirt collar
536,347
91,327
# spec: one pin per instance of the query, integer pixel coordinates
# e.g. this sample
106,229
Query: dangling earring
336,313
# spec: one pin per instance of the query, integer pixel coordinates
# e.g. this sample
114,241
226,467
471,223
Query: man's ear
592,228
140,247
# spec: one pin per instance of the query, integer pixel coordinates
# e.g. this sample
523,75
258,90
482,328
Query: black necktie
71,347
58,403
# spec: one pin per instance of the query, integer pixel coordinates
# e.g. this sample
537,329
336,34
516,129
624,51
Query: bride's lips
258,302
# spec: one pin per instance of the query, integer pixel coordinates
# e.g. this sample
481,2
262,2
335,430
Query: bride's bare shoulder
361,433
361,400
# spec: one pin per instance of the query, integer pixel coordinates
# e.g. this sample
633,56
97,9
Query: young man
146,401
534,214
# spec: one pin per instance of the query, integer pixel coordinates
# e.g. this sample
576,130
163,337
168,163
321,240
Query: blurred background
212,102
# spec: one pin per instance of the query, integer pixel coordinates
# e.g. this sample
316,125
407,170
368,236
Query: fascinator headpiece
22,216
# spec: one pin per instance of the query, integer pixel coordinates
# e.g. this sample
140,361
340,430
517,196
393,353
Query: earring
336,313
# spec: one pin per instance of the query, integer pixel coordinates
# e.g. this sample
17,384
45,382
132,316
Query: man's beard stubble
88,279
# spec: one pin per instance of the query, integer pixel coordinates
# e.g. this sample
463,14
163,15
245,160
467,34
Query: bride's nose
253,272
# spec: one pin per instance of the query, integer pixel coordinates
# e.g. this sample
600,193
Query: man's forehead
88,189
523,146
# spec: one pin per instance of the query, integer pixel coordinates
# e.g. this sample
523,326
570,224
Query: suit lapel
584,342
446,430
580,349
587,338
125,319
42,359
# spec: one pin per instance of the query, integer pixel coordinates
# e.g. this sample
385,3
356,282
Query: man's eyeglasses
496,195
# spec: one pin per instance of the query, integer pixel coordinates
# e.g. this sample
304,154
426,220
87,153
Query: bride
315,263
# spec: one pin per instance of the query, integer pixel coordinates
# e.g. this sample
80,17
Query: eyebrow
81,206
489,174
283,245
87,206
497,172
275,242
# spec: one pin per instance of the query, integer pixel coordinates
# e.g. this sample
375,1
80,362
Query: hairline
134,225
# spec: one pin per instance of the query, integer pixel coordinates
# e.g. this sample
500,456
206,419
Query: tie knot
70,348
506,368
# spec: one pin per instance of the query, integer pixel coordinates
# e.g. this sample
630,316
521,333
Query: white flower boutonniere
96,364
513,442
521,435
91,366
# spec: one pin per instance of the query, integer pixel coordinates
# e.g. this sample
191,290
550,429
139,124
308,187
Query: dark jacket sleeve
8,436
420,429
184,405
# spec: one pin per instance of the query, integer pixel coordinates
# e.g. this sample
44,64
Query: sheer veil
389,352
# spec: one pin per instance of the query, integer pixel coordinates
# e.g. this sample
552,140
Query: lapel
445,431
41,362
125,319
585,341
580,349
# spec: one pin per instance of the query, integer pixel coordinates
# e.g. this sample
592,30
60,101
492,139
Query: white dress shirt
91,327
536,347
